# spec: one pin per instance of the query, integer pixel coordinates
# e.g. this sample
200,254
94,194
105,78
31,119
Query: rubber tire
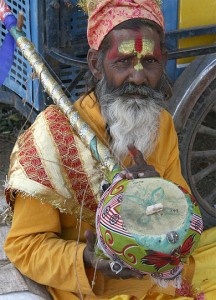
186,141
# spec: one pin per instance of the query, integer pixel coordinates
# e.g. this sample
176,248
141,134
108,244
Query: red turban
105,15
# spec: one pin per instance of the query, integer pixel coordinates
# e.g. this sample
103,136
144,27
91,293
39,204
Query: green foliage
10,120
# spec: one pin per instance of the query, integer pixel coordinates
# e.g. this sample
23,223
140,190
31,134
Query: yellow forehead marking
139,48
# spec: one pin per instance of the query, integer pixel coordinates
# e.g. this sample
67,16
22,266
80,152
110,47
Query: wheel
197,144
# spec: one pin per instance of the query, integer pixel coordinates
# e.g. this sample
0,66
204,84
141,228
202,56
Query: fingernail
129,176
122,172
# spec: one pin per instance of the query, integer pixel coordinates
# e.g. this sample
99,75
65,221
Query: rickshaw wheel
198,153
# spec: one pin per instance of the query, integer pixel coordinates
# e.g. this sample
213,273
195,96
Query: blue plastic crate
77,38
20,77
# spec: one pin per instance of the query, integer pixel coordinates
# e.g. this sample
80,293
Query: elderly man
54,181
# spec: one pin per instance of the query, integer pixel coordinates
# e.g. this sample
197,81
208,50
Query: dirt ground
6,146
11,125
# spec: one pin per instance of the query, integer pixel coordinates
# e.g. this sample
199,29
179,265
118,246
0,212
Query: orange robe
42,242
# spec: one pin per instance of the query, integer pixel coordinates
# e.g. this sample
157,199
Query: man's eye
124,60
150,60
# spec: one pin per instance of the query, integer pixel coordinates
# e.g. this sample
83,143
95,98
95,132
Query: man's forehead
139,45
120,36
142,41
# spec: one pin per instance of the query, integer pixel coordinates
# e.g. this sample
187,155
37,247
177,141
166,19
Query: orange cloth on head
42,242
105,15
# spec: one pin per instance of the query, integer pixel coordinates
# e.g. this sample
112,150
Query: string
77,243
78,239
95,272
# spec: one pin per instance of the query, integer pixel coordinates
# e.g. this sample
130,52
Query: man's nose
138,76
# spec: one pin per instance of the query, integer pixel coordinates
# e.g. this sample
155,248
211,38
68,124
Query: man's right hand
103,265
140,169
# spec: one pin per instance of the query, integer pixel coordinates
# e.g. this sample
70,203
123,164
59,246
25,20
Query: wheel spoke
203,154
207,130
211,197
205,172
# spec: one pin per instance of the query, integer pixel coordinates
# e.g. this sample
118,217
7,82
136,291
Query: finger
122,174
127,273
136,155
130,175
90,240
141,175
104,266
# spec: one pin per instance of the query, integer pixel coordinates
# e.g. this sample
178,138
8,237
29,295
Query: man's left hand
103,265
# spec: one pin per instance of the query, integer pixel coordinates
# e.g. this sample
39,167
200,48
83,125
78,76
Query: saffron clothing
52,164
46,240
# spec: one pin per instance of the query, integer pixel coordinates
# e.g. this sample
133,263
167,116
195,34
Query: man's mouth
138,96
135,96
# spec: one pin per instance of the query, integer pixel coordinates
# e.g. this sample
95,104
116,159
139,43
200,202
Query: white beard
132,121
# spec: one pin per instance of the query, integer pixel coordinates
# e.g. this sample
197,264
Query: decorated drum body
131,233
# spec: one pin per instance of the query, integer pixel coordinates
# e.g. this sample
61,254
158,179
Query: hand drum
150,225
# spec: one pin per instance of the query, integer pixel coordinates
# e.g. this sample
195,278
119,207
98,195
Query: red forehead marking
139,43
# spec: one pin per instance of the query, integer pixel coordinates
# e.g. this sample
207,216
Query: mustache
144,91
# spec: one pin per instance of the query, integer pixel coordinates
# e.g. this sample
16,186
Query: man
55,181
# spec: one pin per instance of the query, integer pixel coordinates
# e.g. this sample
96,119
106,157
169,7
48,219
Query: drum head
158,231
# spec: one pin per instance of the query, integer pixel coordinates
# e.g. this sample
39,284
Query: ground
6,146
11,125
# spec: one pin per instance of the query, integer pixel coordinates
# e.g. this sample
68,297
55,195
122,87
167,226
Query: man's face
134,57
128,89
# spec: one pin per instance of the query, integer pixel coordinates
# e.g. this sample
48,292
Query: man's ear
93,64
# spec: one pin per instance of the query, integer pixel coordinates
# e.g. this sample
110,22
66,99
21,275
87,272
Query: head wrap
105,15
